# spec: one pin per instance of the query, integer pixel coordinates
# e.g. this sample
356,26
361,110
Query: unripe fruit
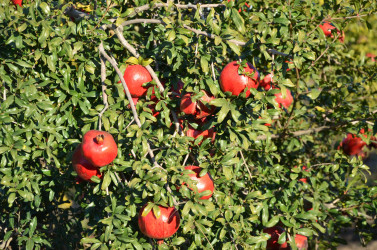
202,183
275,233
135,76
231,81
99,148
84,169
159,228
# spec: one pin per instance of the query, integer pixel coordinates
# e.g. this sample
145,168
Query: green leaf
223,113
147,209
238,21
314,93
106,181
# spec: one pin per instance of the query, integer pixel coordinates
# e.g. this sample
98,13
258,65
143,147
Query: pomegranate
275,233
305,180
202,183
287,101
99,148
135,76
197,108
352,145
231,81
84,169
327,28
17,2
301,242
266,83
194,133
371,56
159,228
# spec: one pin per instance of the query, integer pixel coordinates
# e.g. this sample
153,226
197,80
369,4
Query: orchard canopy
240,124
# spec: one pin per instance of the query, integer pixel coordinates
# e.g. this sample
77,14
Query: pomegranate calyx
99,139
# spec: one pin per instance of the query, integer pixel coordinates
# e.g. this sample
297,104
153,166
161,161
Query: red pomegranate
372,56
202,183
197,108
231,81
275,233
194,133
305,180
159,228
99,148
352,145
287,101
84,169
17,2
327,28
135,76
266,83
301,242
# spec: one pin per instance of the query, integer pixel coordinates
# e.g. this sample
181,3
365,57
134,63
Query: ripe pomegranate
301,242
84,169
99,148
17,2
290,62
372,56
135,76
352,145
231,81
327,28
159,228
305,180
202,183
194,133
266,83
197,108
287,101
275,233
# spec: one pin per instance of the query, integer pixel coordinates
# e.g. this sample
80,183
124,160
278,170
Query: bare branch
104,95
247,167
113,63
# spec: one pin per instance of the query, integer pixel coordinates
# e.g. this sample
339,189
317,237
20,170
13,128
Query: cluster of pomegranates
97,149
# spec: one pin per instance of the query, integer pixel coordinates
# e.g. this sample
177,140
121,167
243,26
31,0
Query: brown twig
324,52
247,167
113,63
104,95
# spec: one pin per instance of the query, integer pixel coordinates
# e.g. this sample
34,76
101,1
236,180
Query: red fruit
352,145
194,133
290,62
287,101
135,76
266,83
197,108
159,228
305,180
84,169
327,28
99,148
372,56
202,183
231,81
177,90
275,233
17,2
301,242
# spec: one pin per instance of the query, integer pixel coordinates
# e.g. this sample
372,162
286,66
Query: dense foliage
51,95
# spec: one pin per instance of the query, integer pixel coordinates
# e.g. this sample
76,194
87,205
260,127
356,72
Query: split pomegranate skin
99,148
159,228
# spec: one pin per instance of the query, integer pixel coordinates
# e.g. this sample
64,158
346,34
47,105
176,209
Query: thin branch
204,234
247,167
184,162
104,95
118,178
324,52
112,62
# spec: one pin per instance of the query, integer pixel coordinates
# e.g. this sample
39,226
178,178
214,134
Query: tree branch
104,95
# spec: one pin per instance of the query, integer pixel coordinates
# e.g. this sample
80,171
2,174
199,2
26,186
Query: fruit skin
266,83
17,2
99,148
231,81
275,232
203,183
301,242
352,145
287,101
135,76
327,28
372,56
197,108
194,133
161,228
305,180
84,169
